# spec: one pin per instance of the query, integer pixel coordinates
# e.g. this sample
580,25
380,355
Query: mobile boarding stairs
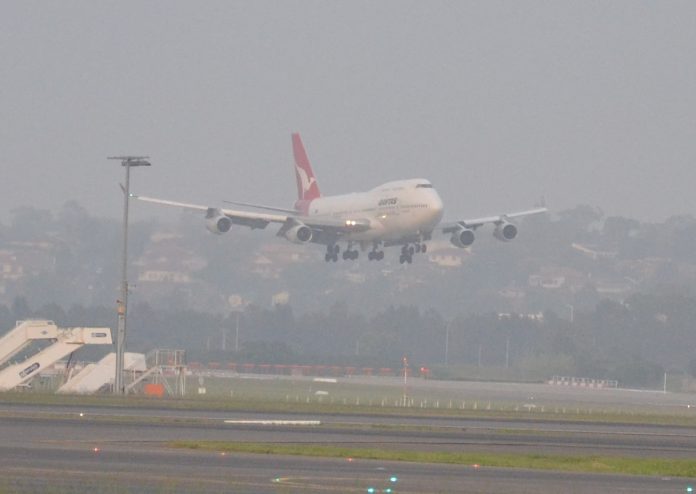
64,341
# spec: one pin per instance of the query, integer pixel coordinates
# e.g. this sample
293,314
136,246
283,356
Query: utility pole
122,305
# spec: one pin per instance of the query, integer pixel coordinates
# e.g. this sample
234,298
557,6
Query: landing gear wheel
332,253
424,248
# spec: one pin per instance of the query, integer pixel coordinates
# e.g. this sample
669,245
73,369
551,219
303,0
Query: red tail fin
307,187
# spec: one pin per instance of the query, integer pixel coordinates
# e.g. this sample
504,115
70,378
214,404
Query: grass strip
278,406
584,464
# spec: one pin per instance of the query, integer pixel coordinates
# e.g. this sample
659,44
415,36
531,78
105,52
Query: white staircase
23,334
95,376
65,341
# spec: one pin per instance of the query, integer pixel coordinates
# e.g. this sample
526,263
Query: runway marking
273,422
341,484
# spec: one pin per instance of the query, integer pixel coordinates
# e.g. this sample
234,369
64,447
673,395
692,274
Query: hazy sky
497,103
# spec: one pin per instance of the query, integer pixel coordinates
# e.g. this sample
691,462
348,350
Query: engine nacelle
505,231
218,224
299,234
463,237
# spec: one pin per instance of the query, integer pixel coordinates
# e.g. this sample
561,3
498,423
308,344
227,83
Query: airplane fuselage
395,210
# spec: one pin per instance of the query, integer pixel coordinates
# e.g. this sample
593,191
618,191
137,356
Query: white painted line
273,422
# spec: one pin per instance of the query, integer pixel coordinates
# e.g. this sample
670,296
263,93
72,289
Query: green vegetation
325,405
589,464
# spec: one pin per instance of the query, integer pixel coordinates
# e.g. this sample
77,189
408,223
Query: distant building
166,261
554,278
594,254
444,255
10,268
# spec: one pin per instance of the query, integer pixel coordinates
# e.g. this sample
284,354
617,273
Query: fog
498,103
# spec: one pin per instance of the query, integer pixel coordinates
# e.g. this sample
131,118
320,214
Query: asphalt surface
90,449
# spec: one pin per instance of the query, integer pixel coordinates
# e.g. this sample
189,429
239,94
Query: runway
115,450
154,470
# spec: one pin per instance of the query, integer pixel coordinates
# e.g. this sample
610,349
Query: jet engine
218,224
299,234
463,237
505,231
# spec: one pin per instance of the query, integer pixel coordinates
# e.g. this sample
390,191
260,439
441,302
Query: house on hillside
593,253
445,255
554,278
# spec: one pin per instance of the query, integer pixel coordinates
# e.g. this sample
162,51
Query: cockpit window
424,186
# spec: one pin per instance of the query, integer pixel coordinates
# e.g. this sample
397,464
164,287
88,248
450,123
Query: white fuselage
395,210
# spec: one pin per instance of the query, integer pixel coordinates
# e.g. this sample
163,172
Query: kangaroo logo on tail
307,187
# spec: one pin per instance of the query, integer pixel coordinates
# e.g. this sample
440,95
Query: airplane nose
437,207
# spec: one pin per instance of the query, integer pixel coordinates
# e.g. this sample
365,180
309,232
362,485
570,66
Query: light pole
447,332
507,353
122,304
236,335
572,312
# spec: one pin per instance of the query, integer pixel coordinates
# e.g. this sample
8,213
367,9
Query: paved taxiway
54,447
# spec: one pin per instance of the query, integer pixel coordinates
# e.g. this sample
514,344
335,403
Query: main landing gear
350,255
375,255
333,250
332,253
407,252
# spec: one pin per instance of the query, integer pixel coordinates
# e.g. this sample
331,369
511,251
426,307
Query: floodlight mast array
122,305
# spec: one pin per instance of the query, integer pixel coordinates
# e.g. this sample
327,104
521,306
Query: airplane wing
474,223
245,218
325,229
463,231
261,206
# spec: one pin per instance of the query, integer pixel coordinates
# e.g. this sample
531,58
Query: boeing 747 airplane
404,213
